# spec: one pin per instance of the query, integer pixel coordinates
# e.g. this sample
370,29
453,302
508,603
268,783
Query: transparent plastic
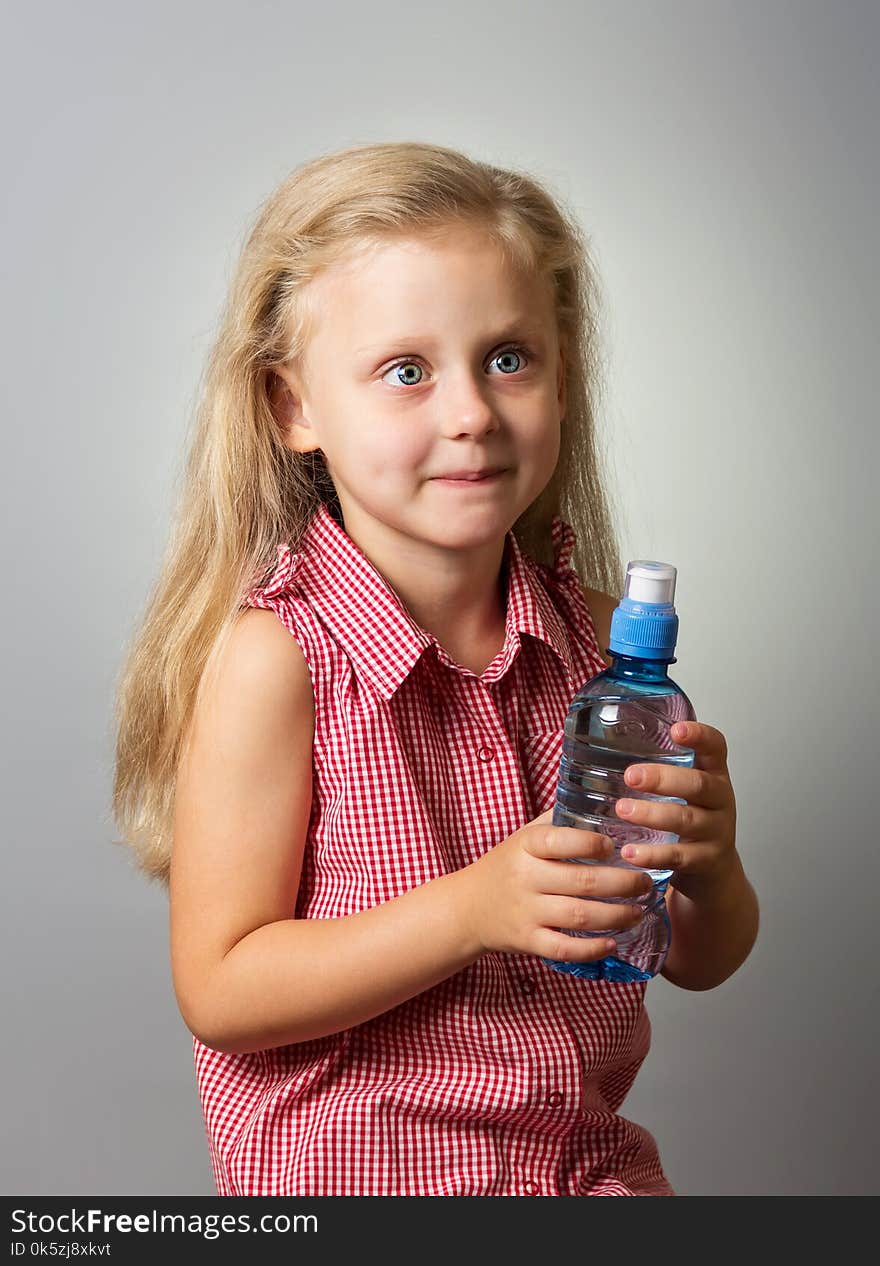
619,718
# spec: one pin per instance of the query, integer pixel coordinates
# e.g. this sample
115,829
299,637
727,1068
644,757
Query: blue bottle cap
644,624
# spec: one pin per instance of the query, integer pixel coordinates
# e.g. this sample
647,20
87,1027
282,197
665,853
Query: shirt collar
367,618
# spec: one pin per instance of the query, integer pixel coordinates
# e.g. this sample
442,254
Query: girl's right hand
519,893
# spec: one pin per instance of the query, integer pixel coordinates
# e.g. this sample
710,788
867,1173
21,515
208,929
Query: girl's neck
471,633
458,596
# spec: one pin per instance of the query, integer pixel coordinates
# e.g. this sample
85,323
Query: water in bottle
619,718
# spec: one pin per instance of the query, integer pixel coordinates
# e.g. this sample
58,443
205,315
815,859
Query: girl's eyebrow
514,329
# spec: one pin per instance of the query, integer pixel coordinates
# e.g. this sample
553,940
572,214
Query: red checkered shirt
505,1078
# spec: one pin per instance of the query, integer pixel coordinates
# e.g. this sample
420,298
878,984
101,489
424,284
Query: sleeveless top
505,1078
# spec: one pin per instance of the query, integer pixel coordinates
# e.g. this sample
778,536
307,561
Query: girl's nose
467,410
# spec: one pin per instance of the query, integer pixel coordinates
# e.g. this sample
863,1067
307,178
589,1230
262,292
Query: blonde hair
245,491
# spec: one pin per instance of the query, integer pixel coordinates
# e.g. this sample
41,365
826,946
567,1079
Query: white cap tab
647,581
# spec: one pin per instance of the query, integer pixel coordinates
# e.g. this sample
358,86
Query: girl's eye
507,353
517,353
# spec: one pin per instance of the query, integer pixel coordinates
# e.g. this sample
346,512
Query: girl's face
429,358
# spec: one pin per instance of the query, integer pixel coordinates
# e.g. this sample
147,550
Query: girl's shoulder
266,660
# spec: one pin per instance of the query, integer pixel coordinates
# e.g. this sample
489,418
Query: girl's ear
280,399
286,405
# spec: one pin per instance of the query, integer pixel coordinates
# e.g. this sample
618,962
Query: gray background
723,159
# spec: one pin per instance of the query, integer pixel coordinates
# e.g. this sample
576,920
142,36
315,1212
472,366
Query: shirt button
486,753
530,1187
554,1099
526,984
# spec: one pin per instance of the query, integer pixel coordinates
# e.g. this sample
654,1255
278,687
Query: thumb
545,817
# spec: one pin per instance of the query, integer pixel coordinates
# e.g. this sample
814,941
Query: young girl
341,723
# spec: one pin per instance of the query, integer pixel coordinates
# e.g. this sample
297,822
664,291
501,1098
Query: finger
573,914
688,820
708,743
557,945
697,786
566,842
682,856
593,881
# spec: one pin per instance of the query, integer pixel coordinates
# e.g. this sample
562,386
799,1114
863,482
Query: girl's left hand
705,853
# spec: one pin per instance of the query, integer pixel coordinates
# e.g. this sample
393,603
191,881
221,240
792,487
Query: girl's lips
470,483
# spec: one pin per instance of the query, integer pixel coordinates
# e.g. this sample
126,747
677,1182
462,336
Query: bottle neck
637,669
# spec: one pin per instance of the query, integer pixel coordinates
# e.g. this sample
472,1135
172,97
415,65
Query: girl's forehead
375,251
379,286
402,268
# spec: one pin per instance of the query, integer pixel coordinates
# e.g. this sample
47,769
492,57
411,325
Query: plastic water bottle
619,718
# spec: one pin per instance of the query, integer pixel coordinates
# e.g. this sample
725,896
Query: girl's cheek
403,451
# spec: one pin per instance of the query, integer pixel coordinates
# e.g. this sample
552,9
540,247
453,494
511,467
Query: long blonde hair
245,491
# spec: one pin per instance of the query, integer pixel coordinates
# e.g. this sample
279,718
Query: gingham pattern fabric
505,1078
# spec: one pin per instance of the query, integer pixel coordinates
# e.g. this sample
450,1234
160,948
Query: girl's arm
246,975
714,928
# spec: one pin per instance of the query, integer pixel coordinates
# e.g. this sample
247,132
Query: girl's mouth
470,481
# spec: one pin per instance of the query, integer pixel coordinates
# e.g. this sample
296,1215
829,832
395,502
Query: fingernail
629,851
625,806
635,777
